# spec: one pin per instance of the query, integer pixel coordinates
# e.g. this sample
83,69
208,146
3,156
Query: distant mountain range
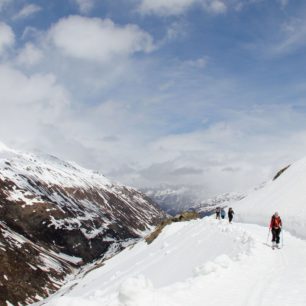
175,199
55,216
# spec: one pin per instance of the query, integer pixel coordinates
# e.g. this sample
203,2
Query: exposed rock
280,172
185,216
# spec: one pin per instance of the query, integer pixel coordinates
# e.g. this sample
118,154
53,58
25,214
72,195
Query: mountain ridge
63,212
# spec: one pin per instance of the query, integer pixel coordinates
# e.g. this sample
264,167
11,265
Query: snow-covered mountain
56,215
210,261
206,207
175,199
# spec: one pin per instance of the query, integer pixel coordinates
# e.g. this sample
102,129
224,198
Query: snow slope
286,194
202,262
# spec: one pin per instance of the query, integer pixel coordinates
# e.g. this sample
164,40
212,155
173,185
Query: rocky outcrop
280,172
56,216
184,216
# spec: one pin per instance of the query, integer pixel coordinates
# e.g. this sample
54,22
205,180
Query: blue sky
190,92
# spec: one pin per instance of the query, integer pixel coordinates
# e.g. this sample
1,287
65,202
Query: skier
218,210
230,214
222,213
275,227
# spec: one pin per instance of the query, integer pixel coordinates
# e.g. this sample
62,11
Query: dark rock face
28,271
280,172
55,216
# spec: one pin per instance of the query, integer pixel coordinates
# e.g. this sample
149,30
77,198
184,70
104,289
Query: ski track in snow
203,262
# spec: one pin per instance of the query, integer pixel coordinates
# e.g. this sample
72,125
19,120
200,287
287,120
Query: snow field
286,195
184,260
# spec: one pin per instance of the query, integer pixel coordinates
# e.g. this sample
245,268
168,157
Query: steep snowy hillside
49,207
203,262
285,194
145,274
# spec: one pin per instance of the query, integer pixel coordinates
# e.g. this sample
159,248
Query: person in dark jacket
230,214
218,211
276,227
222,213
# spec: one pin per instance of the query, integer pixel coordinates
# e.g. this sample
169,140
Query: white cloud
120,137
29,56
85,6
39,90
30,103
165,7
215,6
291,37
178,7
197,63
7,37
241,143
98,40
27,11
176,30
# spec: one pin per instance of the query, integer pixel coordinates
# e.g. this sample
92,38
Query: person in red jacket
275,227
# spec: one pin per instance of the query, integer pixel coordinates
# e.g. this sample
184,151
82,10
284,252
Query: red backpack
276,222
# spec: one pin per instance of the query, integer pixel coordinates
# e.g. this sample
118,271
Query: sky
206,93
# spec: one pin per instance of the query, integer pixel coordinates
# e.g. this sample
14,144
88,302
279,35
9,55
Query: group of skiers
275,224
220,214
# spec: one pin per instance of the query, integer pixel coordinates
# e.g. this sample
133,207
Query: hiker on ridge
218,211
276,227
223,213
230,214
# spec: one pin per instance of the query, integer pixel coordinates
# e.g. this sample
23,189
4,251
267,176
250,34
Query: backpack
276,221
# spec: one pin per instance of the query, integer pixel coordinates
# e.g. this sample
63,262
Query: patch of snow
73,259
49,263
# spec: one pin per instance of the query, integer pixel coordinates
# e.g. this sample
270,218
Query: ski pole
282,237
268,235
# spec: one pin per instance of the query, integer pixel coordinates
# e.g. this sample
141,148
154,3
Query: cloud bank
98,40
178,7
27,11
7,37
